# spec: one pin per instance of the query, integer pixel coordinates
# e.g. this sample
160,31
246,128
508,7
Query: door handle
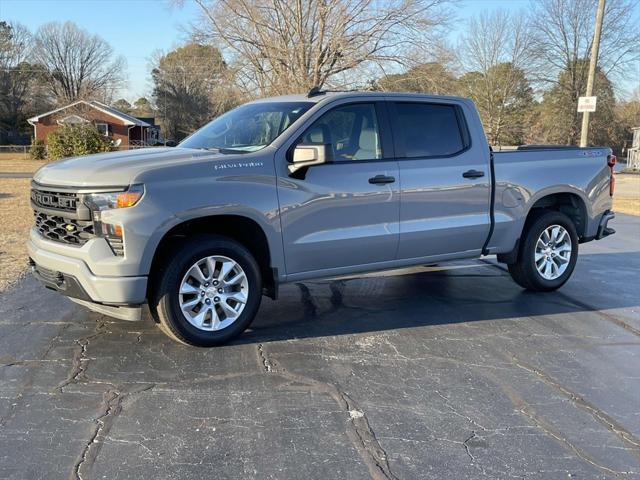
473,174
381,179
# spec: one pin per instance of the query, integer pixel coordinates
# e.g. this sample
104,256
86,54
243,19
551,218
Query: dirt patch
15,220
630,206
627,194
18,162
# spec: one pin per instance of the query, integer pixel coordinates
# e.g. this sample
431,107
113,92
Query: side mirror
305,156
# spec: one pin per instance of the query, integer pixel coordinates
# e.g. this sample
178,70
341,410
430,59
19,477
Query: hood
114,168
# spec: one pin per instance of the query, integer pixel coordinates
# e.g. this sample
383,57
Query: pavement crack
110,408
527,411
447,404
466,446
367,441
80,359
625,435
358,430
263,361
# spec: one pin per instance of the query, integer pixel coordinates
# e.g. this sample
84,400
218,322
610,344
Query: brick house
119,126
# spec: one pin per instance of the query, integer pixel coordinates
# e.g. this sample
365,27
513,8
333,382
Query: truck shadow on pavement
454,293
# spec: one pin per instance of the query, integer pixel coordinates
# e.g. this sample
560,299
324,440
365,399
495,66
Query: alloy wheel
213,293
553,252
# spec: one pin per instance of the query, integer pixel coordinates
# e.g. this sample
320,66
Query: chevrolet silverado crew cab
297,187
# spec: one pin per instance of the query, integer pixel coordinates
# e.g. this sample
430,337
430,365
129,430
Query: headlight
111,200
99,202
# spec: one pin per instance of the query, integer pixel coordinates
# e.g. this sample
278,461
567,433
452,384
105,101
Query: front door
344,213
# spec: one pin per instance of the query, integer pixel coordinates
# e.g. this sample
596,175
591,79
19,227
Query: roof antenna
315,91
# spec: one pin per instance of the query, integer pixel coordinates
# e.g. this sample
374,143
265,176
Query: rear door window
427,129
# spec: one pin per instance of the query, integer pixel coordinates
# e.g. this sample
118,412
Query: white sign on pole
587,104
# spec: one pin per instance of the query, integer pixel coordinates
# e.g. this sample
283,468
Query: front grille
62,201
60,215
65,230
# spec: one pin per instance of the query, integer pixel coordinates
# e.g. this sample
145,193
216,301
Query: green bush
38,151
76,140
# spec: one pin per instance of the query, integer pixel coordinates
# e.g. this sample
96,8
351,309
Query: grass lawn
627,194
11,162
16,218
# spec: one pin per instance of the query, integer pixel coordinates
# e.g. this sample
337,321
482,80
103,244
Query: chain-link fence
15,151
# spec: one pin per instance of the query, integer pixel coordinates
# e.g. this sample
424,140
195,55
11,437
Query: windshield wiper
224,150
231,150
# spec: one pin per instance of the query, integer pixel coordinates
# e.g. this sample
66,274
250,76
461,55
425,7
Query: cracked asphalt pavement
436,372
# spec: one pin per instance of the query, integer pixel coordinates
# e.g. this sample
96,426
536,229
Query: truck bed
524,176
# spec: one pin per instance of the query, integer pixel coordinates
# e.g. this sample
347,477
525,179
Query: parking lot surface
447,371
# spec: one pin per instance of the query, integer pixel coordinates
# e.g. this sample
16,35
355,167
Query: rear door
444,181
344,213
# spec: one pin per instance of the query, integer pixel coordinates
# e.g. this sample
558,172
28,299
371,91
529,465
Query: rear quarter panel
524,177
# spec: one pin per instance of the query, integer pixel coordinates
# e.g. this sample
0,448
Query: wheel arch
243,229
570,202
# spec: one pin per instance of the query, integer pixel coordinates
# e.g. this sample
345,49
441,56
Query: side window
428,130
351,130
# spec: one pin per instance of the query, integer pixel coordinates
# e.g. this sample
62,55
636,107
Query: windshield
247,128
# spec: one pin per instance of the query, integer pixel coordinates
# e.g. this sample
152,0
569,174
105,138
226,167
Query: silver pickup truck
304,186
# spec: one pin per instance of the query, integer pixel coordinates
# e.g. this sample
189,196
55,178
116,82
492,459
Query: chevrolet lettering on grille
52,201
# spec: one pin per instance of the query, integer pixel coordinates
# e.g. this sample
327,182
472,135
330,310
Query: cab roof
325,95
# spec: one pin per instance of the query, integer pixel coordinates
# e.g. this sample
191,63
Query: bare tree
14,44
282,46
192,84
496,37
497,53
79,65
21,92
430,77
563,34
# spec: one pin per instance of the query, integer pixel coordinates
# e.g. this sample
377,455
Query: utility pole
592,71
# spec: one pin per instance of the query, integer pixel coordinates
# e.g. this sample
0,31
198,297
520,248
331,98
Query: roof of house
125,118
150,120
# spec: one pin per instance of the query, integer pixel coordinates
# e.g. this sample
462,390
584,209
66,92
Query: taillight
611,161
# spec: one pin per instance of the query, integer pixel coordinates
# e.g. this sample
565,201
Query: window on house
104,128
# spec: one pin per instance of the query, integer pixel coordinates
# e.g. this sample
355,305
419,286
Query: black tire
524,271
164,299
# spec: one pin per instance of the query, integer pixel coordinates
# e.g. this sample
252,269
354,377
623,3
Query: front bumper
70,286
72,277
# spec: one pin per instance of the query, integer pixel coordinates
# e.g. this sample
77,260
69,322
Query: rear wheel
208,293
548,253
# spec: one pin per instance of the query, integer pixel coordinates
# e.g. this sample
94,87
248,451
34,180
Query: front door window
352,132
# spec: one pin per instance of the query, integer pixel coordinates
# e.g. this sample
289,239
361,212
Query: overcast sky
137,28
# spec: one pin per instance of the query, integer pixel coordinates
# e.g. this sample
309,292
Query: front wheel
548,253
208,293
